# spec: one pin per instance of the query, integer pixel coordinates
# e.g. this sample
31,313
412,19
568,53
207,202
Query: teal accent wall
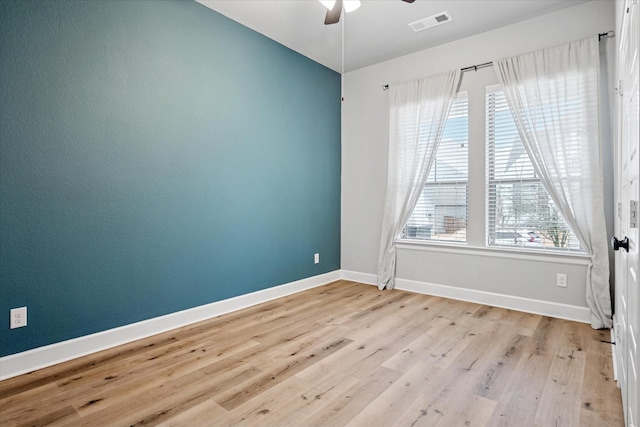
155,156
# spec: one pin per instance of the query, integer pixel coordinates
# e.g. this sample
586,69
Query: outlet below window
561,280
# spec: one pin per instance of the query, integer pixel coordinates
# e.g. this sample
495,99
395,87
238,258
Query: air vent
432,21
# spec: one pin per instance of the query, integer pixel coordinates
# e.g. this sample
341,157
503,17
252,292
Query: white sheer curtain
554,97
418,110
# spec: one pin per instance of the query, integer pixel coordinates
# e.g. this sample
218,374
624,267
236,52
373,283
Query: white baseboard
614,339
527,305
545,308
41,357
354,276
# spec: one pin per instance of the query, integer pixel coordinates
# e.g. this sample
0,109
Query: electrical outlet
18,317
561,280
316,258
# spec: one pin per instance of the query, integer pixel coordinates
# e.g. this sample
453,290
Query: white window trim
567,258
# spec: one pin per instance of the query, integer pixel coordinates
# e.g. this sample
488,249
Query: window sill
497,252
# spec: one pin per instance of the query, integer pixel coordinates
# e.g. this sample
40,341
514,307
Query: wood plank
398,397
518,404
237,395
474,412
440,344
452,398
560,402
547,337
165,400
265,407
270,409
500,369
203,414
344,408
597,406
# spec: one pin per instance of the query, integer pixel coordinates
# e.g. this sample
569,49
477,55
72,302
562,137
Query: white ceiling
378,30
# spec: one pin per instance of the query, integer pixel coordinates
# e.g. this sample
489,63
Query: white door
627,299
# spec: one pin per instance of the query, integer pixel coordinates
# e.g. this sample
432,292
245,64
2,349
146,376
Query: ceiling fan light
328,3
351,5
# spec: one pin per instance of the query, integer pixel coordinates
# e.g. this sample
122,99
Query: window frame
476,85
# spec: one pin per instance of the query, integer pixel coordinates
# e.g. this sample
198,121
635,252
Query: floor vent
432,21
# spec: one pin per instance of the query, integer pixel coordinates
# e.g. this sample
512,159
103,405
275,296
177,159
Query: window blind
441,211
520,211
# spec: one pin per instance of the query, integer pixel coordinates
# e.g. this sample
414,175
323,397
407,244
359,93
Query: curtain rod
606,35
601,36
476,67
465,69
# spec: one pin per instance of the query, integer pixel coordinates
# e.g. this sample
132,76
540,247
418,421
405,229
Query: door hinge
633,214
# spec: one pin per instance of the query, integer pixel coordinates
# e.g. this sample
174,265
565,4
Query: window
441,211
520,211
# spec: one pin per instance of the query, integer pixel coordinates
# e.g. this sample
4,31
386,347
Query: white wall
364,147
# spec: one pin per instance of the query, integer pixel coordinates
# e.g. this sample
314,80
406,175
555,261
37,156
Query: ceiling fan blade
409,1
333,15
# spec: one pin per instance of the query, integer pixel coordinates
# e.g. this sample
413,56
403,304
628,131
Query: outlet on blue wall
155,156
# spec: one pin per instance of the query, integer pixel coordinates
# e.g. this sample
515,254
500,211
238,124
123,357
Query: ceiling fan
335,9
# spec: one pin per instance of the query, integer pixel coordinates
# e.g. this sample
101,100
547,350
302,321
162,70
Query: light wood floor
340,354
